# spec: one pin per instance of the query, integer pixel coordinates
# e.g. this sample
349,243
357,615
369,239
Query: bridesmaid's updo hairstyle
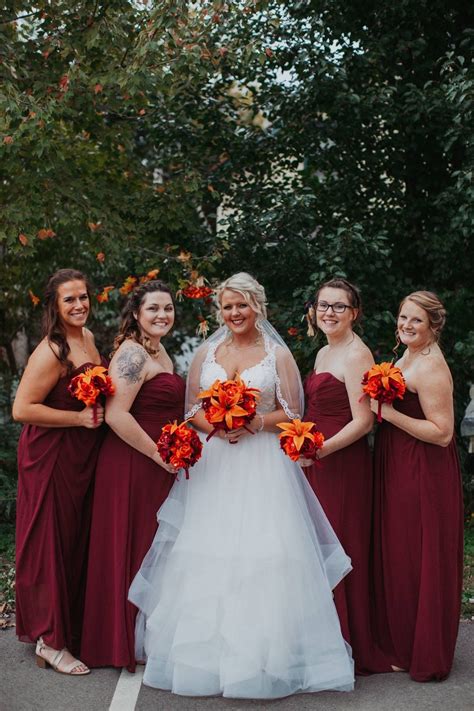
251,290
434,308
351,290
129,328
52,327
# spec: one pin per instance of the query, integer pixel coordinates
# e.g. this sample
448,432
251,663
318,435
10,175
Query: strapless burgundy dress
418,542
55,478
129,490
343,483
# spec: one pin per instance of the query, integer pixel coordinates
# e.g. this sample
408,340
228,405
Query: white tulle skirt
235,592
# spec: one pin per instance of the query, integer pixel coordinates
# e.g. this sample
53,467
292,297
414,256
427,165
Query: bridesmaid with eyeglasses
343,478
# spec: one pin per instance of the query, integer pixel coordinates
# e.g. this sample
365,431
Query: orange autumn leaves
179,445
300,439
229,404
129,284
384,382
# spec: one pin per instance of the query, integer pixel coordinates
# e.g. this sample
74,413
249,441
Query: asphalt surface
25,687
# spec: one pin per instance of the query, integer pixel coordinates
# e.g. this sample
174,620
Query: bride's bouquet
300,439
179,445
229,404
89,385
384,382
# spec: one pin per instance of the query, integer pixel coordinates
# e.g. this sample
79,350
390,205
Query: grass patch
468,585
7,574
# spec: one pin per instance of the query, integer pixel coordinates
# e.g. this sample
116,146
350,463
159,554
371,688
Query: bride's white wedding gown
235,591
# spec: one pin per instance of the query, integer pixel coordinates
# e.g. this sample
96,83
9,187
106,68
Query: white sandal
43,663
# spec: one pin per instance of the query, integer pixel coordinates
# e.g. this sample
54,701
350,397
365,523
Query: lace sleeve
193,385
289,390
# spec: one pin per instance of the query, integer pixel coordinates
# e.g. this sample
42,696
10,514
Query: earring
310,318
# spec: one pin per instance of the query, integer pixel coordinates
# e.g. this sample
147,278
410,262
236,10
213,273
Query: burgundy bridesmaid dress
130,488
55,479
418,543
343,483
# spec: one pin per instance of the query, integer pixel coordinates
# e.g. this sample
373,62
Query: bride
235,592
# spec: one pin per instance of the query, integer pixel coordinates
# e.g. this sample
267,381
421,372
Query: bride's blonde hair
251,290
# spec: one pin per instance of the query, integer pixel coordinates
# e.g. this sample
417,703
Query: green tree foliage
296,140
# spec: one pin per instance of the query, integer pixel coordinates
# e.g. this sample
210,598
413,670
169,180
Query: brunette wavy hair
52,327
352,292
129,327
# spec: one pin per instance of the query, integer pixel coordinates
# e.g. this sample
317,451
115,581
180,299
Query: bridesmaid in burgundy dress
57,453
343,480
132,481
418,504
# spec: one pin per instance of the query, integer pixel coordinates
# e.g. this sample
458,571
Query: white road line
127,690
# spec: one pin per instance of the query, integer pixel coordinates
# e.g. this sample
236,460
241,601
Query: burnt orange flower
300,439
152,274
196,292
104,294
100,256
229,404
23,239
179,445
384,382
34,299
128,285
45,233
293,331
87,386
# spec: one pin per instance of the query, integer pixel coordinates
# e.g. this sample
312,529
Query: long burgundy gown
55,479
130,488
418,543
343,483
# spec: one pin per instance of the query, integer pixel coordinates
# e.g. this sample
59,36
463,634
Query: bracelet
262,422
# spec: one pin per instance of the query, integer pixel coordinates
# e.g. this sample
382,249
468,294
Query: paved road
25,687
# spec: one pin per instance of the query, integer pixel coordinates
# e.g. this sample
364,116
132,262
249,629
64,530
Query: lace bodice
263,375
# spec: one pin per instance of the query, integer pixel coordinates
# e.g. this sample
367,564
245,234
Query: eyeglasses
338,307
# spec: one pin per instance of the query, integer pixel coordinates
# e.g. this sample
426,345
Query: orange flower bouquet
229,405
384,382
87,386
179,445
300,439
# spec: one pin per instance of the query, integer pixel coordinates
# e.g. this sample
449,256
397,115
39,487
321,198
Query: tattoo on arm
130,364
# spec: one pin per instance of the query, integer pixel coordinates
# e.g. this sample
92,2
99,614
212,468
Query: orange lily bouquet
300,439
384,382
87,386
229,405
179,445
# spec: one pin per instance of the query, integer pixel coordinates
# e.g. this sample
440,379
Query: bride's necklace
258,342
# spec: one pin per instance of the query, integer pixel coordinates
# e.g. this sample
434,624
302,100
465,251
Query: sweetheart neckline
251,367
